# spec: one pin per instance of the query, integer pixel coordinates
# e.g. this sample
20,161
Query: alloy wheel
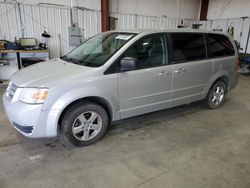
218,95
87,125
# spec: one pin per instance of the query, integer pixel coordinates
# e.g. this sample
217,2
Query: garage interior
186,146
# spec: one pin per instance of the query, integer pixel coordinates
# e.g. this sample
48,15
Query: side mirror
127,64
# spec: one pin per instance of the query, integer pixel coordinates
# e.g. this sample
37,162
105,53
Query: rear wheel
216,95
83,124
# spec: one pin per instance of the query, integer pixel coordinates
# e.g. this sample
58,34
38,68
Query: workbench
14,60
19,55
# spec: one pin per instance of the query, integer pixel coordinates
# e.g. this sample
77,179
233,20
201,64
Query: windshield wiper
70,60
64,58
83,63
88,63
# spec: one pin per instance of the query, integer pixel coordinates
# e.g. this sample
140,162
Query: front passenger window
148,52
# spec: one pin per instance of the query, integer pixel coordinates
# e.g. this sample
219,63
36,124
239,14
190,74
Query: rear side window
220,46
188,47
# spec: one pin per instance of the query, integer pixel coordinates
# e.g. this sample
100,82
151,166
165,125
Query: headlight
34,95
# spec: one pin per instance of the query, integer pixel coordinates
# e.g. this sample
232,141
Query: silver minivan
117,75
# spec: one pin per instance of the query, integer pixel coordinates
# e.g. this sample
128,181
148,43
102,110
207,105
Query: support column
105,15
204,9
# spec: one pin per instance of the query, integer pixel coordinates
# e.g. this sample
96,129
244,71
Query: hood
45,73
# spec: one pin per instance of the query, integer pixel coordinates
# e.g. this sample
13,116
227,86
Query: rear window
188,47
220,46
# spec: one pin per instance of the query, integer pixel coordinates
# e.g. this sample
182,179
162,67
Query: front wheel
83,124
216,95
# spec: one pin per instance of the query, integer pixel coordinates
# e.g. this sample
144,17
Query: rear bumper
30,120
233,81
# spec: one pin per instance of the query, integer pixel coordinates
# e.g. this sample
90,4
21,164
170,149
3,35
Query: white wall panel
6,29
91,4
127,21
133,21
54,20
173,8
206,25
225,9
246,30
146,22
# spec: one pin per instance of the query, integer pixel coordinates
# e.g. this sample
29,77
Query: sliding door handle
181,70
164,73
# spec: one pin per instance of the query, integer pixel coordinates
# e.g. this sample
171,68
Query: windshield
97,50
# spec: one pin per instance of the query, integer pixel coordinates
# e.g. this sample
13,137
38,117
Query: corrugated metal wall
56,20
228,9
133,21
170,8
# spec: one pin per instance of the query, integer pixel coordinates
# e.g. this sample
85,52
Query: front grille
11,90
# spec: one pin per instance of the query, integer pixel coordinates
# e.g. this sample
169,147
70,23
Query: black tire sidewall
209,102
70,116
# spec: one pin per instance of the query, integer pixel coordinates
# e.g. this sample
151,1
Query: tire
83,124
216,95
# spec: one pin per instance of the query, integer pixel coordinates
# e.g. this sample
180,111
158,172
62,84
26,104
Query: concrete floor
188,146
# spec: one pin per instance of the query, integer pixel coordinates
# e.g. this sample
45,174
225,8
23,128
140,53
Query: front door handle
164,73
181,70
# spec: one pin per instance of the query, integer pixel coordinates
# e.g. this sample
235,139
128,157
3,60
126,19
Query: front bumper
31,120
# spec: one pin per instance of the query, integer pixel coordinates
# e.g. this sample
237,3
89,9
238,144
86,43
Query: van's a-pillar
204,9
105,15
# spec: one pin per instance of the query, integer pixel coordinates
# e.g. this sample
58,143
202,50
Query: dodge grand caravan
117,75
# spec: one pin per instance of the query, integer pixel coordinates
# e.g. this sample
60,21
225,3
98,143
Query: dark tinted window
188,47
148,52
220,45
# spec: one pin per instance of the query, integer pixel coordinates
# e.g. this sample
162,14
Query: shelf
23,51
8,59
